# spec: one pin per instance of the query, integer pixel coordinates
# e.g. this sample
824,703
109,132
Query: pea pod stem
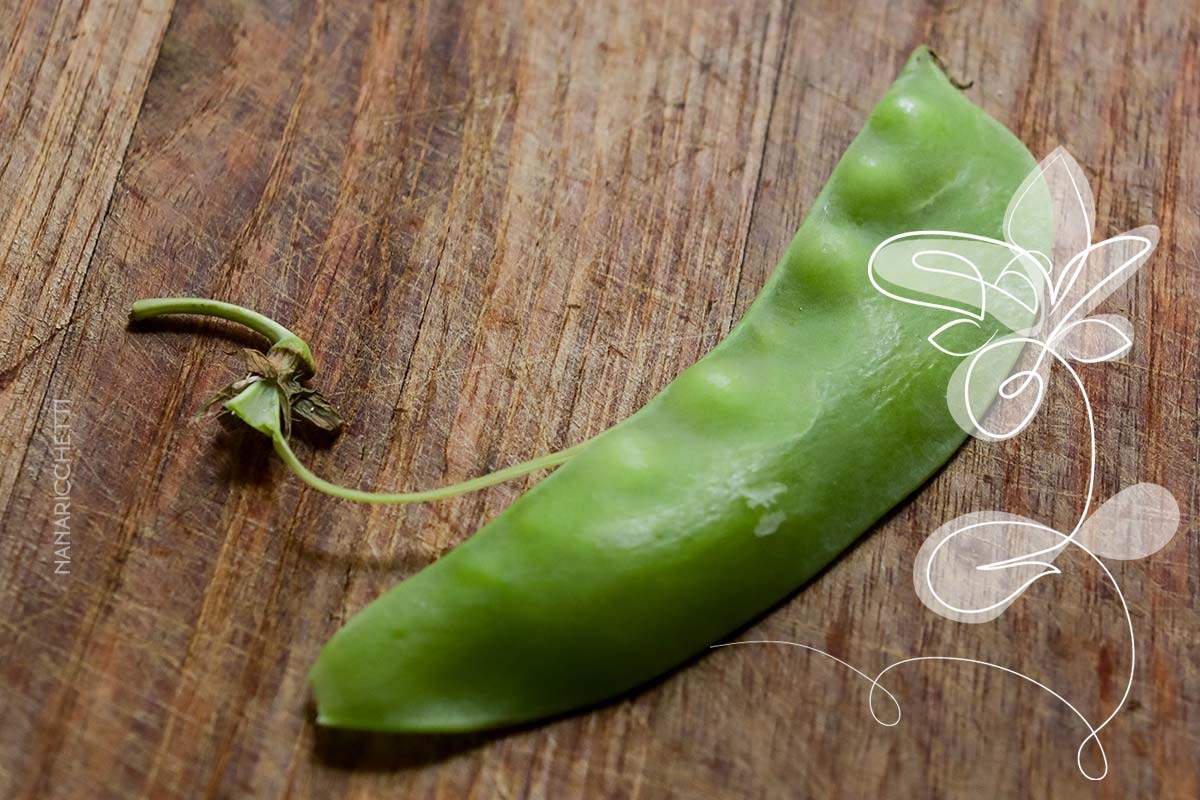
276,334
285,452
260,403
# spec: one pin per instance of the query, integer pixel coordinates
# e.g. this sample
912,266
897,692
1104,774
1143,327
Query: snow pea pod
822,409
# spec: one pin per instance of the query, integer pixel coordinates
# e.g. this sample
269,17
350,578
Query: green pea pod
823,408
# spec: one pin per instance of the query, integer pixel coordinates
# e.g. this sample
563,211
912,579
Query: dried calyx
272,395
283,370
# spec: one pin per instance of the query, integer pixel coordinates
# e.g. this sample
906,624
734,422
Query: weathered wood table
504,226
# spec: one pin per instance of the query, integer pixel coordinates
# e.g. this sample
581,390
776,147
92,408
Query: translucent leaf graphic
1024,290
1103,337
1093,274
956,573
972,276
1134,523
975,566
994,395
955,326
1055,199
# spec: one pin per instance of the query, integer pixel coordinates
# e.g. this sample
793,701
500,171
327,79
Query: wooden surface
503,227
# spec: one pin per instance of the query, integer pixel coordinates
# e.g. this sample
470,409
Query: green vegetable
822,409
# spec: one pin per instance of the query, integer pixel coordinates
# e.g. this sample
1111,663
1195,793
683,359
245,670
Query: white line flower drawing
1039,284
1041,281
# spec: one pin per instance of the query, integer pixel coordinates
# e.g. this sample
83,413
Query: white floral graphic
1040,282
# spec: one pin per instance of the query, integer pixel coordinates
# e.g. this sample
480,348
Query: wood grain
504,226
72,77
